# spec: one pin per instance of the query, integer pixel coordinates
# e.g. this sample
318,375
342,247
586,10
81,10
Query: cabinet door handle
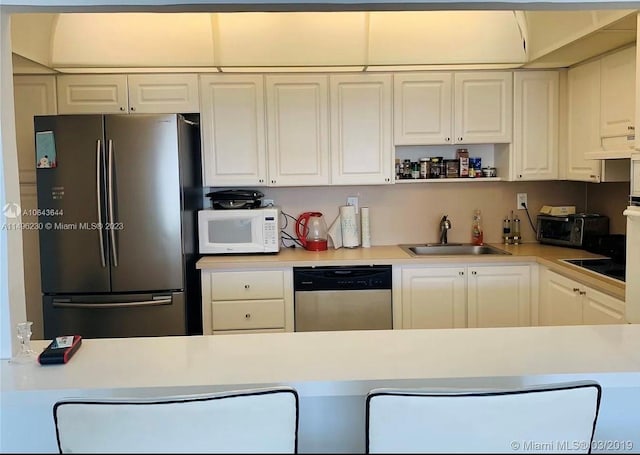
474,272
122,108
448,139
461,273
247,316
576,289
260,181
583,292
460,139
247,286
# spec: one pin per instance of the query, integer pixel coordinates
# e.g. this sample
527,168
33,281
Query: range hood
356,40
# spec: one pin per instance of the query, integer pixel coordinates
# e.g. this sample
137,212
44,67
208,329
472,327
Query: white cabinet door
233,131
535,135
560,300
499,296
361,145
599,308
583,122
617,92
33,95
434,298
163,93
298,129
483,107
422,108
92,94
31,258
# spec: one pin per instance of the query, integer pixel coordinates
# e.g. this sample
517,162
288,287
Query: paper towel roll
365,229
349,225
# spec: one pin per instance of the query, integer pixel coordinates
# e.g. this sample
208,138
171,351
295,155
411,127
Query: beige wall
410,213
609,199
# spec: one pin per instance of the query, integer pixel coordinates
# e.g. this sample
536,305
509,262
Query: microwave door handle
112,231
99,198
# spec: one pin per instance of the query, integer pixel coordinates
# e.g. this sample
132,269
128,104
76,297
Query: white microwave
239,231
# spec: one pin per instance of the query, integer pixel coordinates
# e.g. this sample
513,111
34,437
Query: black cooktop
607,267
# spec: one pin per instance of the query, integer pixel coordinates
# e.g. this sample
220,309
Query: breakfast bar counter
332,372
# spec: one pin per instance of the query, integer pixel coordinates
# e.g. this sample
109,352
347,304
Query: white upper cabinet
583,122
433,108
483,107
121,93
361,145
422,108
233,130
163,93
617,94
535,134
33,95
92,94
297,129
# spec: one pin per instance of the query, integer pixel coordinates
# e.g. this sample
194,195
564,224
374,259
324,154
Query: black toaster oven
570,230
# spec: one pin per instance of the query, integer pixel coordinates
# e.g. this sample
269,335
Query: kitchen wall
609,199
410,213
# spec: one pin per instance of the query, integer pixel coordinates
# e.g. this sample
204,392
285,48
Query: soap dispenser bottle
476,229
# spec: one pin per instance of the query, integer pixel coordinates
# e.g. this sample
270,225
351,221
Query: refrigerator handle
112,231
99,197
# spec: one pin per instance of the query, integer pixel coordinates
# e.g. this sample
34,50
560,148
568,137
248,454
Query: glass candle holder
25,354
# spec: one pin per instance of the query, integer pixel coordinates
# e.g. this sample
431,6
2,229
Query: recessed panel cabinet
583,121
122,93
361,142
423,108
233,130
483,105
617,94
564,301
535,118
247,301
433,108
466,296
298,129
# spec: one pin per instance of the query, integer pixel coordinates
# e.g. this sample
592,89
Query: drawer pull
247,316
583,292
576,289
246,286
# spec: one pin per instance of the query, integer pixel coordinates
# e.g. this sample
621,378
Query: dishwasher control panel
342,277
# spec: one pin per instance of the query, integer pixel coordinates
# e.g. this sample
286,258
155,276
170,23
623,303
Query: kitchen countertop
546,255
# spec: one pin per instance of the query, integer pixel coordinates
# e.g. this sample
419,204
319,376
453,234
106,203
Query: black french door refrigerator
118,197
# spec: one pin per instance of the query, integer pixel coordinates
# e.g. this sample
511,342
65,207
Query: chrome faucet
445,225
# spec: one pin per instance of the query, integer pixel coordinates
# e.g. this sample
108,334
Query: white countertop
607,353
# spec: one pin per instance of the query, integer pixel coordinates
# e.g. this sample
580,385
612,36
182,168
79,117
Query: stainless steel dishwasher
342,298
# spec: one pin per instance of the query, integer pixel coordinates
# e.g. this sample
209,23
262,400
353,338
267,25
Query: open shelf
450,180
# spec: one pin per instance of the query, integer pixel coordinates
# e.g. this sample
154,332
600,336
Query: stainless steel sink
450,249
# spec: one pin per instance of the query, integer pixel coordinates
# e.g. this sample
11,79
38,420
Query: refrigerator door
71,199
143,199
115,316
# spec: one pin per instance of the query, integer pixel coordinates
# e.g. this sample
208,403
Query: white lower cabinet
564,301
466,296
247,301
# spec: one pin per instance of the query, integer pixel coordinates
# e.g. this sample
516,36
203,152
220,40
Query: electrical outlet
267,203
522,199
353,200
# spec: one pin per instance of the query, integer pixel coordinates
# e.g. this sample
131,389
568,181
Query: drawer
247,285
242,315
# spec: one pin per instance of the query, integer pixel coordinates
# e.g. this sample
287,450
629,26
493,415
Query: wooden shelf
450,180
